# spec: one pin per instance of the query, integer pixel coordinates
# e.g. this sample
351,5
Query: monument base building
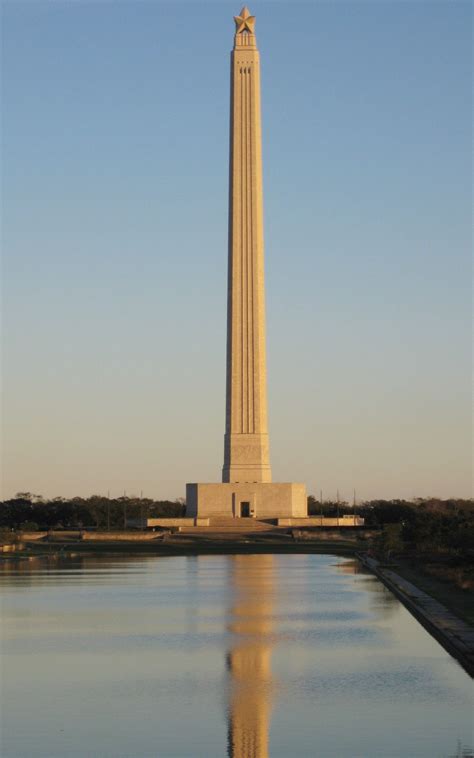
247,490
259,500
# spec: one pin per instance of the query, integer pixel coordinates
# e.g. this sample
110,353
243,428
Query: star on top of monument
245,22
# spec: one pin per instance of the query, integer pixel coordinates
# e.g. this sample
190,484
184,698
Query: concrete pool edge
455,635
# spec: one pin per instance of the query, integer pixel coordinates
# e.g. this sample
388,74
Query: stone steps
220,530
229,521
228,526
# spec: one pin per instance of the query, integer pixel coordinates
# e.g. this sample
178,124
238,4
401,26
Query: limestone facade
254,500
246,448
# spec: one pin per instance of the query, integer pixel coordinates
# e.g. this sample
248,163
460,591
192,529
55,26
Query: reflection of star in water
245,22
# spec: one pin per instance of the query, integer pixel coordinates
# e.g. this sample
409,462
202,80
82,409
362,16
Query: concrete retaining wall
325,536
12,547
322,521
119,536
168,523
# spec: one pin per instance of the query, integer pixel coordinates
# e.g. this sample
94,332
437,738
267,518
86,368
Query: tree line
421,525
424,525
28,511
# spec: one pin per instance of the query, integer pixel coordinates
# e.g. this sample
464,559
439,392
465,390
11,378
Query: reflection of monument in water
249,660
247,489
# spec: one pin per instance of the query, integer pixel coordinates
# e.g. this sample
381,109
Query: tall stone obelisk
247,490
246,449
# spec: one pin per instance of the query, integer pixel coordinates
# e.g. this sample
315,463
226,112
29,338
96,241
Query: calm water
244,656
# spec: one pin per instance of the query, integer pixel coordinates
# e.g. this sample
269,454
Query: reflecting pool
245,656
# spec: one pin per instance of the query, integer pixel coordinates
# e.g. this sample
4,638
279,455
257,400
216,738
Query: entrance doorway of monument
245,510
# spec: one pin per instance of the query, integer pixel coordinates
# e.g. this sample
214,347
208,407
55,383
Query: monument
246,489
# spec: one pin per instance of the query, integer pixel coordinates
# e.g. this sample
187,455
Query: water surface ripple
240,656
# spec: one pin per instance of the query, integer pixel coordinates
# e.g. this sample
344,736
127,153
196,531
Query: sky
115,173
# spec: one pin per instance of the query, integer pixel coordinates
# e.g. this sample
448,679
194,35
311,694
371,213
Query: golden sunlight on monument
247,490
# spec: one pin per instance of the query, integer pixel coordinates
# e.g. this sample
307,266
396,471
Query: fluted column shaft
246,450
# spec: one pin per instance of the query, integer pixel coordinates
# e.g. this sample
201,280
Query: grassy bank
187,545
459,601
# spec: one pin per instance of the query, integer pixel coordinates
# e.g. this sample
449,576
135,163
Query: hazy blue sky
115,151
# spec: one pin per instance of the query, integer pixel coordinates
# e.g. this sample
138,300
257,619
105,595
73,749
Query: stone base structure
259,500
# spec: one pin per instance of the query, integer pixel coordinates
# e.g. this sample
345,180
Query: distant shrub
29,526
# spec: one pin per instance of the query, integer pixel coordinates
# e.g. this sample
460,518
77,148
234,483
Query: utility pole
321,505
108,510
337,497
